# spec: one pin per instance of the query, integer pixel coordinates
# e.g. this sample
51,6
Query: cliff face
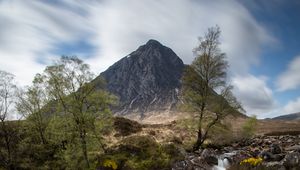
146,80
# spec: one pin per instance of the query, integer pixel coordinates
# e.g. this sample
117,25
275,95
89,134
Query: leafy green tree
206,74
81,101
32,104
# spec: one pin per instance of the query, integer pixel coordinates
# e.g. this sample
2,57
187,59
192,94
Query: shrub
249,128
140,153
110,164
126,127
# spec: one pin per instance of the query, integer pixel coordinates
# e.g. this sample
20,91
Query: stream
223,162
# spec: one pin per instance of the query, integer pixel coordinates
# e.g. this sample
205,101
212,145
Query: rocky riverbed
266,152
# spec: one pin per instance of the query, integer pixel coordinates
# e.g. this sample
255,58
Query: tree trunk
84,147
199,142
200,139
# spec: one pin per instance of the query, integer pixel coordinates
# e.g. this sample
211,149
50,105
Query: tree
8,130
206,74
82,101
32,105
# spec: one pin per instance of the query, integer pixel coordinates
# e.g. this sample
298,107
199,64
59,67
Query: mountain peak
153,42
146,81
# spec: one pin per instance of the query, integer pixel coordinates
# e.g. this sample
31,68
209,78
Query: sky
261,39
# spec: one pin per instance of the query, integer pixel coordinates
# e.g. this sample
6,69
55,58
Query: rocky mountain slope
146,80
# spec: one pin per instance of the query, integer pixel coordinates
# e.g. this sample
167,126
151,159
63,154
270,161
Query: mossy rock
142,146
125,127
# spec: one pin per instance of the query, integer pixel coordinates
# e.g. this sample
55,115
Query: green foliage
141,153
249,127
66,115
221,134
79,101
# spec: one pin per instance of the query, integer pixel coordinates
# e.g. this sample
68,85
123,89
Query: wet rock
209,156
211,160
267,156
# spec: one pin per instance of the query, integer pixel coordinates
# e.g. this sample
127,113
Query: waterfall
223,163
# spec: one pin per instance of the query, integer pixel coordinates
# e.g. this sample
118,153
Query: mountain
146,80
293,116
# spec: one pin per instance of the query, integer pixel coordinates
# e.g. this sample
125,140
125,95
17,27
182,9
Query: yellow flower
251,161
110,163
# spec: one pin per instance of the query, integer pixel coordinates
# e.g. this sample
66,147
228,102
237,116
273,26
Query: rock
293,148
267,156
275,149
211,160
292,160
274,165
180,165
278,157
209,156
255,153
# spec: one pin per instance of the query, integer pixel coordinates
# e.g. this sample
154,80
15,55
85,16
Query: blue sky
260,38
280,18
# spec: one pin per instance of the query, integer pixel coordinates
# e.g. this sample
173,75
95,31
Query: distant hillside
293,116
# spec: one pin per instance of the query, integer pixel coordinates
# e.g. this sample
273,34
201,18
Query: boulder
267,156
209,156
125,127
275,149
292,160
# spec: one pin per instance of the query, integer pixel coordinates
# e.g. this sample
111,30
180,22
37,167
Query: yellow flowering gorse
251,161
110,163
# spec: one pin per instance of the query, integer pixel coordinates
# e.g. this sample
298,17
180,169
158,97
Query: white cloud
255,95
124,25
31,30
292,106
290,79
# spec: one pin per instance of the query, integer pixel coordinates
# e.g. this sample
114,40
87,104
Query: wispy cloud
290,79
34,32
292,106
255,95
30,31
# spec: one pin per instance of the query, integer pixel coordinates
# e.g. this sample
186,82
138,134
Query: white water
222,164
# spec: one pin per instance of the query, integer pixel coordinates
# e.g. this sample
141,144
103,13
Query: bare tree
8,132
